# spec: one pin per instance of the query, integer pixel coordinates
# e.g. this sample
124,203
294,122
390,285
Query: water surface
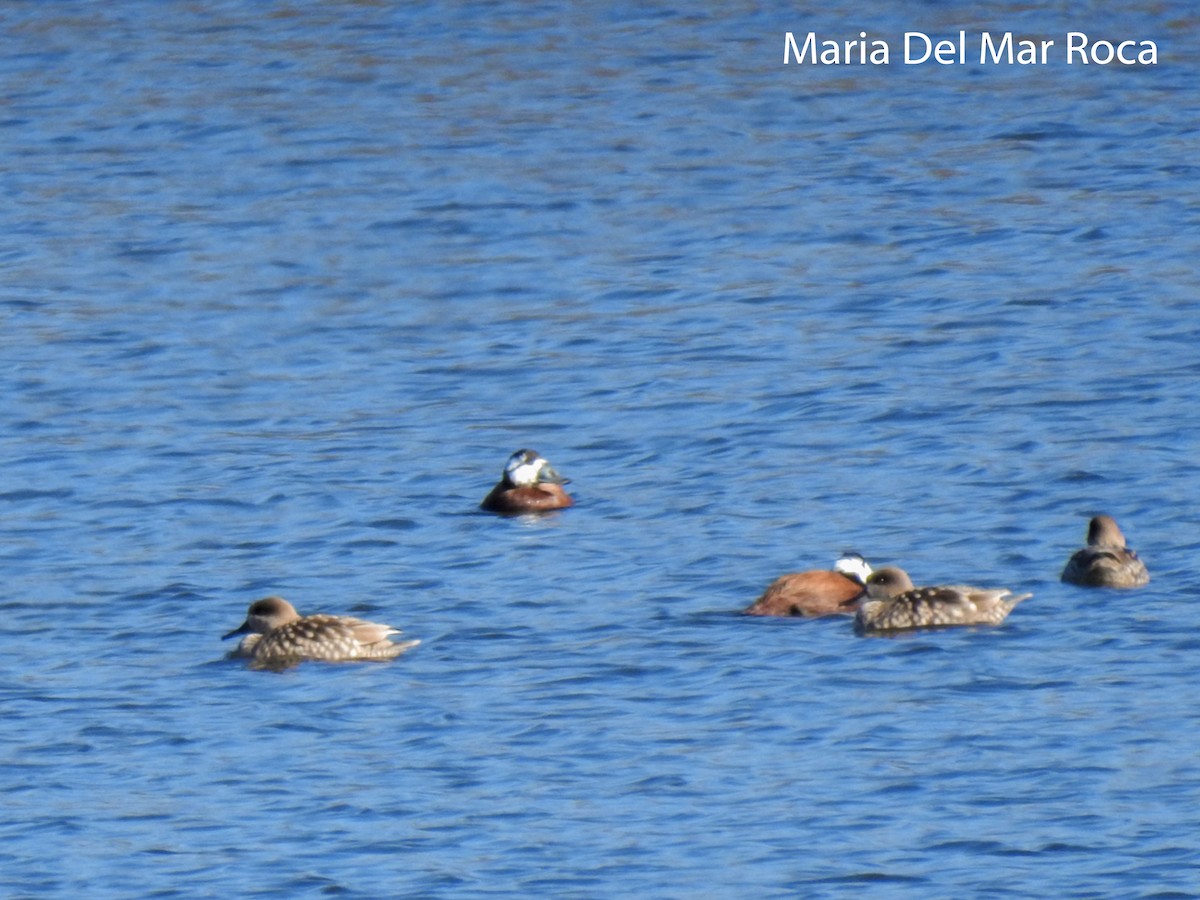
285,285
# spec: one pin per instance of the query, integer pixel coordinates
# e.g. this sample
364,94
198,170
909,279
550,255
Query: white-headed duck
818,592
529,485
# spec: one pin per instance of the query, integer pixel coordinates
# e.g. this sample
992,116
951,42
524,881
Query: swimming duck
818,592
891,603
529,485
278,635
1105,561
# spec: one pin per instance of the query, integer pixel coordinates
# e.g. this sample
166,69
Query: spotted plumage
278,635
891,603
1106,561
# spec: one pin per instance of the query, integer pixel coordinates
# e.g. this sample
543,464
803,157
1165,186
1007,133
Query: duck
1105,561
891,603
277,636
817,592
529,485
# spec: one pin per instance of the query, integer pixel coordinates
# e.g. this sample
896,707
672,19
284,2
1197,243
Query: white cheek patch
525,473
854,567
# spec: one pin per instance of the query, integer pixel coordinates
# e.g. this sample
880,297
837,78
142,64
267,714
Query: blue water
281,288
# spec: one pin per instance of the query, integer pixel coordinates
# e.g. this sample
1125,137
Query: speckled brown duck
1106,561
277,635
891,603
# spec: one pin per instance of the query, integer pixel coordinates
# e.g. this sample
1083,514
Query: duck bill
547,475
241,629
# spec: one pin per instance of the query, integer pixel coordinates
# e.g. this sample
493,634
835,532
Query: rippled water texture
282,287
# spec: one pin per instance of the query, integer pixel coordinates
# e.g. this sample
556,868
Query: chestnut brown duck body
529,485
818,592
